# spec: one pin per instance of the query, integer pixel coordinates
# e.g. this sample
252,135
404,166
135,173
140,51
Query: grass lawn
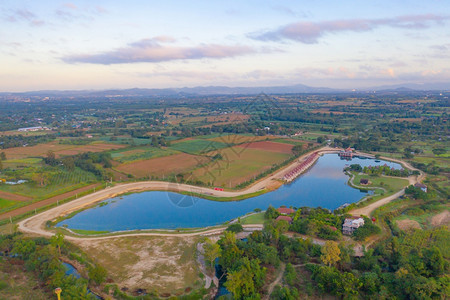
390,184
257,218
198,146
6,203
88,232
160,264
238,165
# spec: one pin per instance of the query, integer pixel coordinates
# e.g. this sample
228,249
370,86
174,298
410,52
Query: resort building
347,153
286,218
364,181
351,224
285,211
421,186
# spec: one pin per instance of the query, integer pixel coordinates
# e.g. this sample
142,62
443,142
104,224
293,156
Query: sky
47,45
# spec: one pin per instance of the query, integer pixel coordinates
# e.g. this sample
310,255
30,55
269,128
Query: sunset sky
160,44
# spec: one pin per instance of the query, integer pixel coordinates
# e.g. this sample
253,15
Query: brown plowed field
14,197
269,146
173,164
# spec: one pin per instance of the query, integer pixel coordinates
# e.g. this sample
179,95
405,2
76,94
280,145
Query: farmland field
234,139
59,149
195,146
141,153
238,165
162,166
269,146
54,183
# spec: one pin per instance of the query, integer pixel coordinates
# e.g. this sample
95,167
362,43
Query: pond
324,185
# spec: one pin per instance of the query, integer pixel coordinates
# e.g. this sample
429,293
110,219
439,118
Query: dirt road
35,224
368,210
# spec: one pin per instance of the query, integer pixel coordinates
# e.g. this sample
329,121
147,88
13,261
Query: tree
212,251
69,163
57,240
98,274
271,213
1,165
330,253
3,156
439,151
235,228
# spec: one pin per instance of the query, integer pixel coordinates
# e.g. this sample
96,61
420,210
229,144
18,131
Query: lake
324,185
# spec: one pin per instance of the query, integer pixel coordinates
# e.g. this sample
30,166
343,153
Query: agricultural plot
236,139
141,153
163,166
59,149
53,183
238,165
269,146
196,146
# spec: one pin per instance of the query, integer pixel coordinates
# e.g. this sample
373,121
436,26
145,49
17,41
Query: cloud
24,15
310,32
155,50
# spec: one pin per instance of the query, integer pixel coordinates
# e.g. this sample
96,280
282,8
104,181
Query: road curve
36,223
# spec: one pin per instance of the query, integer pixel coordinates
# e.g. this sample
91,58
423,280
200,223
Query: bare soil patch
165,265
173,164
270,146
13,197
408,224
441,219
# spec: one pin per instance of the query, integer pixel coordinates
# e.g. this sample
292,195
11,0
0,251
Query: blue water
70,270
324,185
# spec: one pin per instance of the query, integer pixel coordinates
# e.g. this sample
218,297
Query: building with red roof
285,210
286,218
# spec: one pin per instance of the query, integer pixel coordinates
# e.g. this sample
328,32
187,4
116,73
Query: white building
351,224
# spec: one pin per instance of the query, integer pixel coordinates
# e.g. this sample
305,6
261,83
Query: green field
238,165
257,218
6,203
141,153
391,185
198,146
56,182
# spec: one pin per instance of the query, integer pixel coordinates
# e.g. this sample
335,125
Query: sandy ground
442,218
165,265
408,224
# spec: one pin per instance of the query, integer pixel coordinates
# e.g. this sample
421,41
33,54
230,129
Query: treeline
412,266
94,163
43,258
11,141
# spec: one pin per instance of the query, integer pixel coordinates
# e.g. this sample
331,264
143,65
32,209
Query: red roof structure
285,210
286,218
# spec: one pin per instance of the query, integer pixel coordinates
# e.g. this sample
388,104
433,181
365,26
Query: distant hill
224,90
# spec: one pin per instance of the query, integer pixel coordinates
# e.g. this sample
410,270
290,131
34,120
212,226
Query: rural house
285,211
286,218
351,224
421,186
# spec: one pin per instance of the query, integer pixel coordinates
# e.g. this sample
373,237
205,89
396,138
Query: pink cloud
154,50
310,32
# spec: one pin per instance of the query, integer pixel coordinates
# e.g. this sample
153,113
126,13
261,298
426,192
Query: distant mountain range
223,90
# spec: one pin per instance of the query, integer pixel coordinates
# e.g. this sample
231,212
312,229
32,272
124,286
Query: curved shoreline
36,223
